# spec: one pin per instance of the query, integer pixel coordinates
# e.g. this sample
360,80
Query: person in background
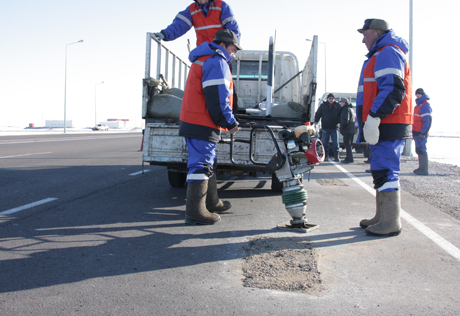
329,114
206,16
385,93
420,130
347,128
206,110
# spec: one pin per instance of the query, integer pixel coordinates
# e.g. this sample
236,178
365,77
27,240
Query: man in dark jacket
347,127
329,113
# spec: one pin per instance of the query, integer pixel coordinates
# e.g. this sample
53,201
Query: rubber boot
213,203
336,156
367,222
418,169
423,171
390,210
195,207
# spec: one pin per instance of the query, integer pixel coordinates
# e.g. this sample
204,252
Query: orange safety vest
418,120
194,110
403,113
206,26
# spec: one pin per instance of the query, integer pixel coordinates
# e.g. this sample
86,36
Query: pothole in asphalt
330,182
283,264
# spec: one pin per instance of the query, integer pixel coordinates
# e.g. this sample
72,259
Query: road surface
84,232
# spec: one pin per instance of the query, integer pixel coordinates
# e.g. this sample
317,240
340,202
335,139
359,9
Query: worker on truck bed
207,16
206,110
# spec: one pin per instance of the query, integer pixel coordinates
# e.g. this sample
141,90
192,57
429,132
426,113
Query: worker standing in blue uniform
420,130
206,16
385,93
206,110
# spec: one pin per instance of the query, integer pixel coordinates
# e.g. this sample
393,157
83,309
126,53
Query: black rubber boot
418,169
423,171
213,203
195,208
336,156
367,222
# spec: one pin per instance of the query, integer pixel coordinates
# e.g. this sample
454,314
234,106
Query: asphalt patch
283,264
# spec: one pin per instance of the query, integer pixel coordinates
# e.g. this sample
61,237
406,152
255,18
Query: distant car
100,127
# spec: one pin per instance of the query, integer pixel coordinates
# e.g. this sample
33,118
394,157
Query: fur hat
375,24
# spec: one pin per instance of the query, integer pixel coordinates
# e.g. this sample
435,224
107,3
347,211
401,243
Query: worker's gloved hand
234,130
371,130
421,136
159,36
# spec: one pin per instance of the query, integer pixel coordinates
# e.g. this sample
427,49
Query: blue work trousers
201,159
386,164
334,135
420,145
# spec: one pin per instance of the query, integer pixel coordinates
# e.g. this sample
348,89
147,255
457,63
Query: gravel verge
441,188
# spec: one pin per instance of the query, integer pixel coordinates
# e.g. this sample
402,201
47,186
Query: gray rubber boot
423,171
418,169
195,207
390,210
367,222
213,203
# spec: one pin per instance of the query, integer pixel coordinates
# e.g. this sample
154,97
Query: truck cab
250,75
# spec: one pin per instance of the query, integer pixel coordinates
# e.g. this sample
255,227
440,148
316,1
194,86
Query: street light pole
95,111
65,82
408,142
325,67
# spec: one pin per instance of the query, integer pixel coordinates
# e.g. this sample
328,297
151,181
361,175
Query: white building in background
119,123
111,123
58,123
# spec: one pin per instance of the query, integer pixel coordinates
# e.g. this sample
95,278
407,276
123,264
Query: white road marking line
25,155
139,172
437,239
45,140
24,207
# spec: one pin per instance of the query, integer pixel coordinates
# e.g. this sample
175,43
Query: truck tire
277,186
176,178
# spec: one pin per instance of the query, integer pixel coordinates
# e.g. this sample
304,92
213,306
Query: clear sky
34,34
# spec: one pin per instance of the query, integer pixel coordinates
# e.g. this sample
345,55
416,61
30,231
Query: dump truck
276,108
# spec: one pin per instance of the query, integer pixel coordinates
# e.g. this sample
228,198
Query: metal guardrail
169,67
175,71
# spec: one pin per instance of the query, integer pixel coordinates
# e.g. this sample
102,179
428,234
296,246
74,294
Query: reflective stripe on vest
194,110
418,118
206,26
403,113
